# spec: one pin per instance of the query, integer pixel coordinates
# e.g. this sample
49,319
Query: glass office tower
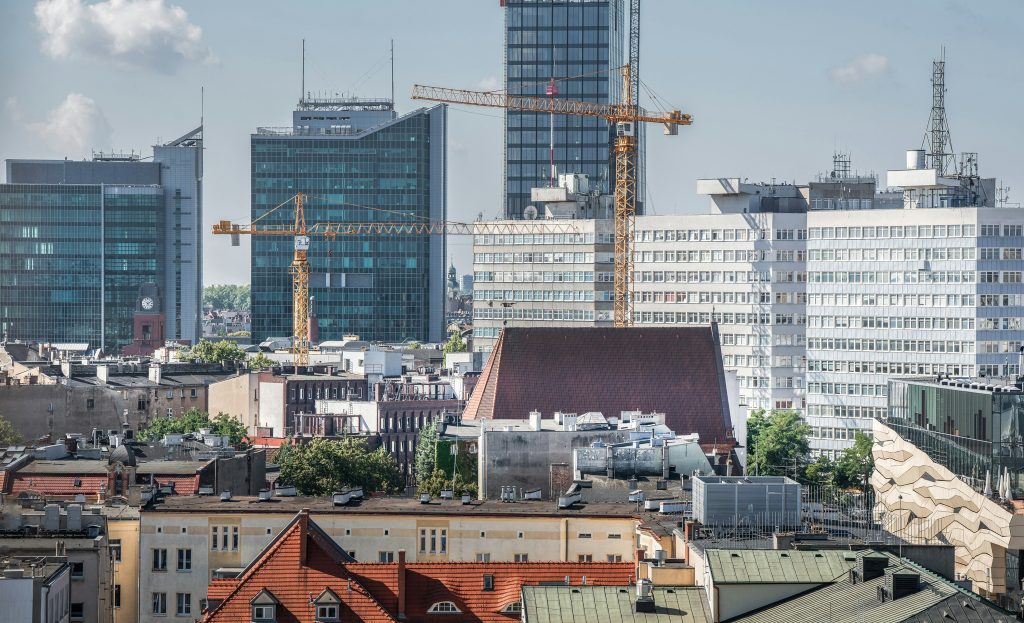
356,161
578,43
72,259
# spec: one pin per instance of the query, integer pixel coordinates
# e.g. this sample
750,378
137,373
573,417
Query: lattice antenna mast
937,139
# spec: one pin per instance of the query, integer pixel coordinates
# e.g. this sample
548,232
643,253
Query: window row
485,313
533,295
894,231
717,276
533,276
531,239
894,277
891,322
910,254
872,299
721,255
847,389
558,257
890,346
895,368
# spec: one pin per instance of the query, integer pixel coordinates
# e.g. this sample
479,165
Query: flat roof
99,466
613,604
395,506
761,566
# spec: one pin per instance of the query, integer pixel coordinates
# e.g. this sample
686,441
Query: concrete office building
578,44
79,239
357,161
821,291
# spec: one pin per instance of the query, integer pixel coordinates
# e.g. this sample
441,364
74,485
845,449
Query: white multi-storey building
821,291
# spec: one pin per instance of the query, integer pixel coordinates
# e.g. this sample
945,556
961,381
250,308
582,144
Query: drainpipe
401,585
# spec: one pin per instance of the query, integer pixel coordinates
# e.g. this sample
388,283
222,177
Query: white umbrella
1009,489
999,486
988,484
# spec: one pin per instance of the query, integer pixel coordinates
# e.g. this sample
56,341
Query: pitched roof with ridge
936,600
674,370
613,604
760,566
303,561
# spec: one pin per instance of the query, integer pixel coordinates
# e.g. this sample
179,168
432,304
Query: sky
774,87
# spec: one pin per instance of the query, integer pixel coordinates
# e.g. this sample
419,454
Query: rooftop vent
424,498
206,490
871,567
901,584
225,496
644,596
264,495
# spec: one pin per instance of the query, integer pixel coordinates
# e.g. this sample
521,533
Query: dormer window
264,607
515,607
327,606
444,607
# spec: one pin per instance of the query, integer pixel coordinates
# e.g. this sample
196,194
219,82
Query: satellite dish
530,213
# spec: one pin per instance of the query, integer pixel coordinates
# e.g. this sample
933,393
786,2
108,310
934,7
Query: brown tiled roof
673,370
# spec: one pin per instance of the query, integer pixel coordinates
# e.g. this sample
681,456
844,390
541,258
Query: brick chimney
401,585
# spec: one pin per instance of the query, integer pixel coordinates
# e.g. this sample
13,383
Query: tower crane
624,117
303,234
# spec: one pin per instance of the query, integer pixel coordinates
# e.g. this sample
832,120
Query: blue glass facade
72,258
579,43
382,287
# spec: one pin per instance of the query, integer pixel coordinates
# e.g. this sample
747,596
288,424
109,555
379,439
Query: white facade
821,292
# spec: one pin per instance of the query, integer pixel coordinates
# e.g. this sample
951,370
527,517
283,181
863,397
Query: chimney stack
401,585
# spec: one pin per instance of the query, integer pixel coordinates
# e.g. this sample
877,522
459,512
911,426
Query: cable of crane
271,210
364,207
583,75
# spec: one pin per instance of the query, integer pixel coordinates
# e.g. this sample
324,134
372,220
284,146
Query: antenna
202,104
302,95
937,138
392,73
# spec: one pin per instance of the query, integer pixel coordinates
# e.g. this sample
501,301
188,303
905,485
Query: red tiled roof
62,485
267,442
673,370
183,485
369,591
3,481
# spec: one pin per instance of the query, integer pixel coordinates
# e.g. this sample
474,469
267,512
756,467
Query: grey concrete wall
524,458
242,474
626,461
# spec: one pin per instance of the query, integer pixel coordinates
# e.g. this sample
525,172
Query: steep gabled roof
674,370
303,562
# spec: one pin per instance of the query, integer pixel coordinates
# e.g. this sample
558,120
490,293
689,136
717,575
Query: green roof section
612,604
766,566
843,602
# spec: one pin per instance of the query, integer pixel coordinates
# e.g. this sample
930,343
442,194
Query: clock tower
148,332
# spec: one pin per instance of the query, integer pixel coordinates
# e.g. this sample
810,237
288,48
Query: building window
522,558
444,541
519,535
516,607
583,535
483,557
423,540
585,558
115,550
444,607
213,537
117,595
488,582
614,536
77,611
159,603
184,604
89,403
159,560
614,558
385,556
234,538
327,613
263,613
77,570
224,538
184,559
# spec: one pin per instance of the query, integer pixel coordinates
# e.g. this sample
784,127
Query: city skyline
868,95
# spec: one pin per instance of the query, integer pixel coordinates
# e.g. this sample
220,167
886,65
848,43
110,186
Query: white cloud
73,127
144,33
860,68
490,83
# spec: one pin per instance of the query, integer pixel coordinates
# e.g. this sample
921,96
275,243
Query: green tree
777,444
439,479
9,435
240,334
426,445
227,296
259,362
223,352
323,466
192,421
855,464
455,343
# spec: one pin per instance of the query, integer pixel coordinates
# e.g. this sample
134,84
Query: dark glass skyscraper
578,43
72,259
79,237
356,161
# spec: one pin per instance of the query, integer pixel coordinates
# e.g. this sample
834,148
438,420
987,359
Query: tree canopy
259,362
324,466
193,420
9,435
227,296
776,442
205,351
455,343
